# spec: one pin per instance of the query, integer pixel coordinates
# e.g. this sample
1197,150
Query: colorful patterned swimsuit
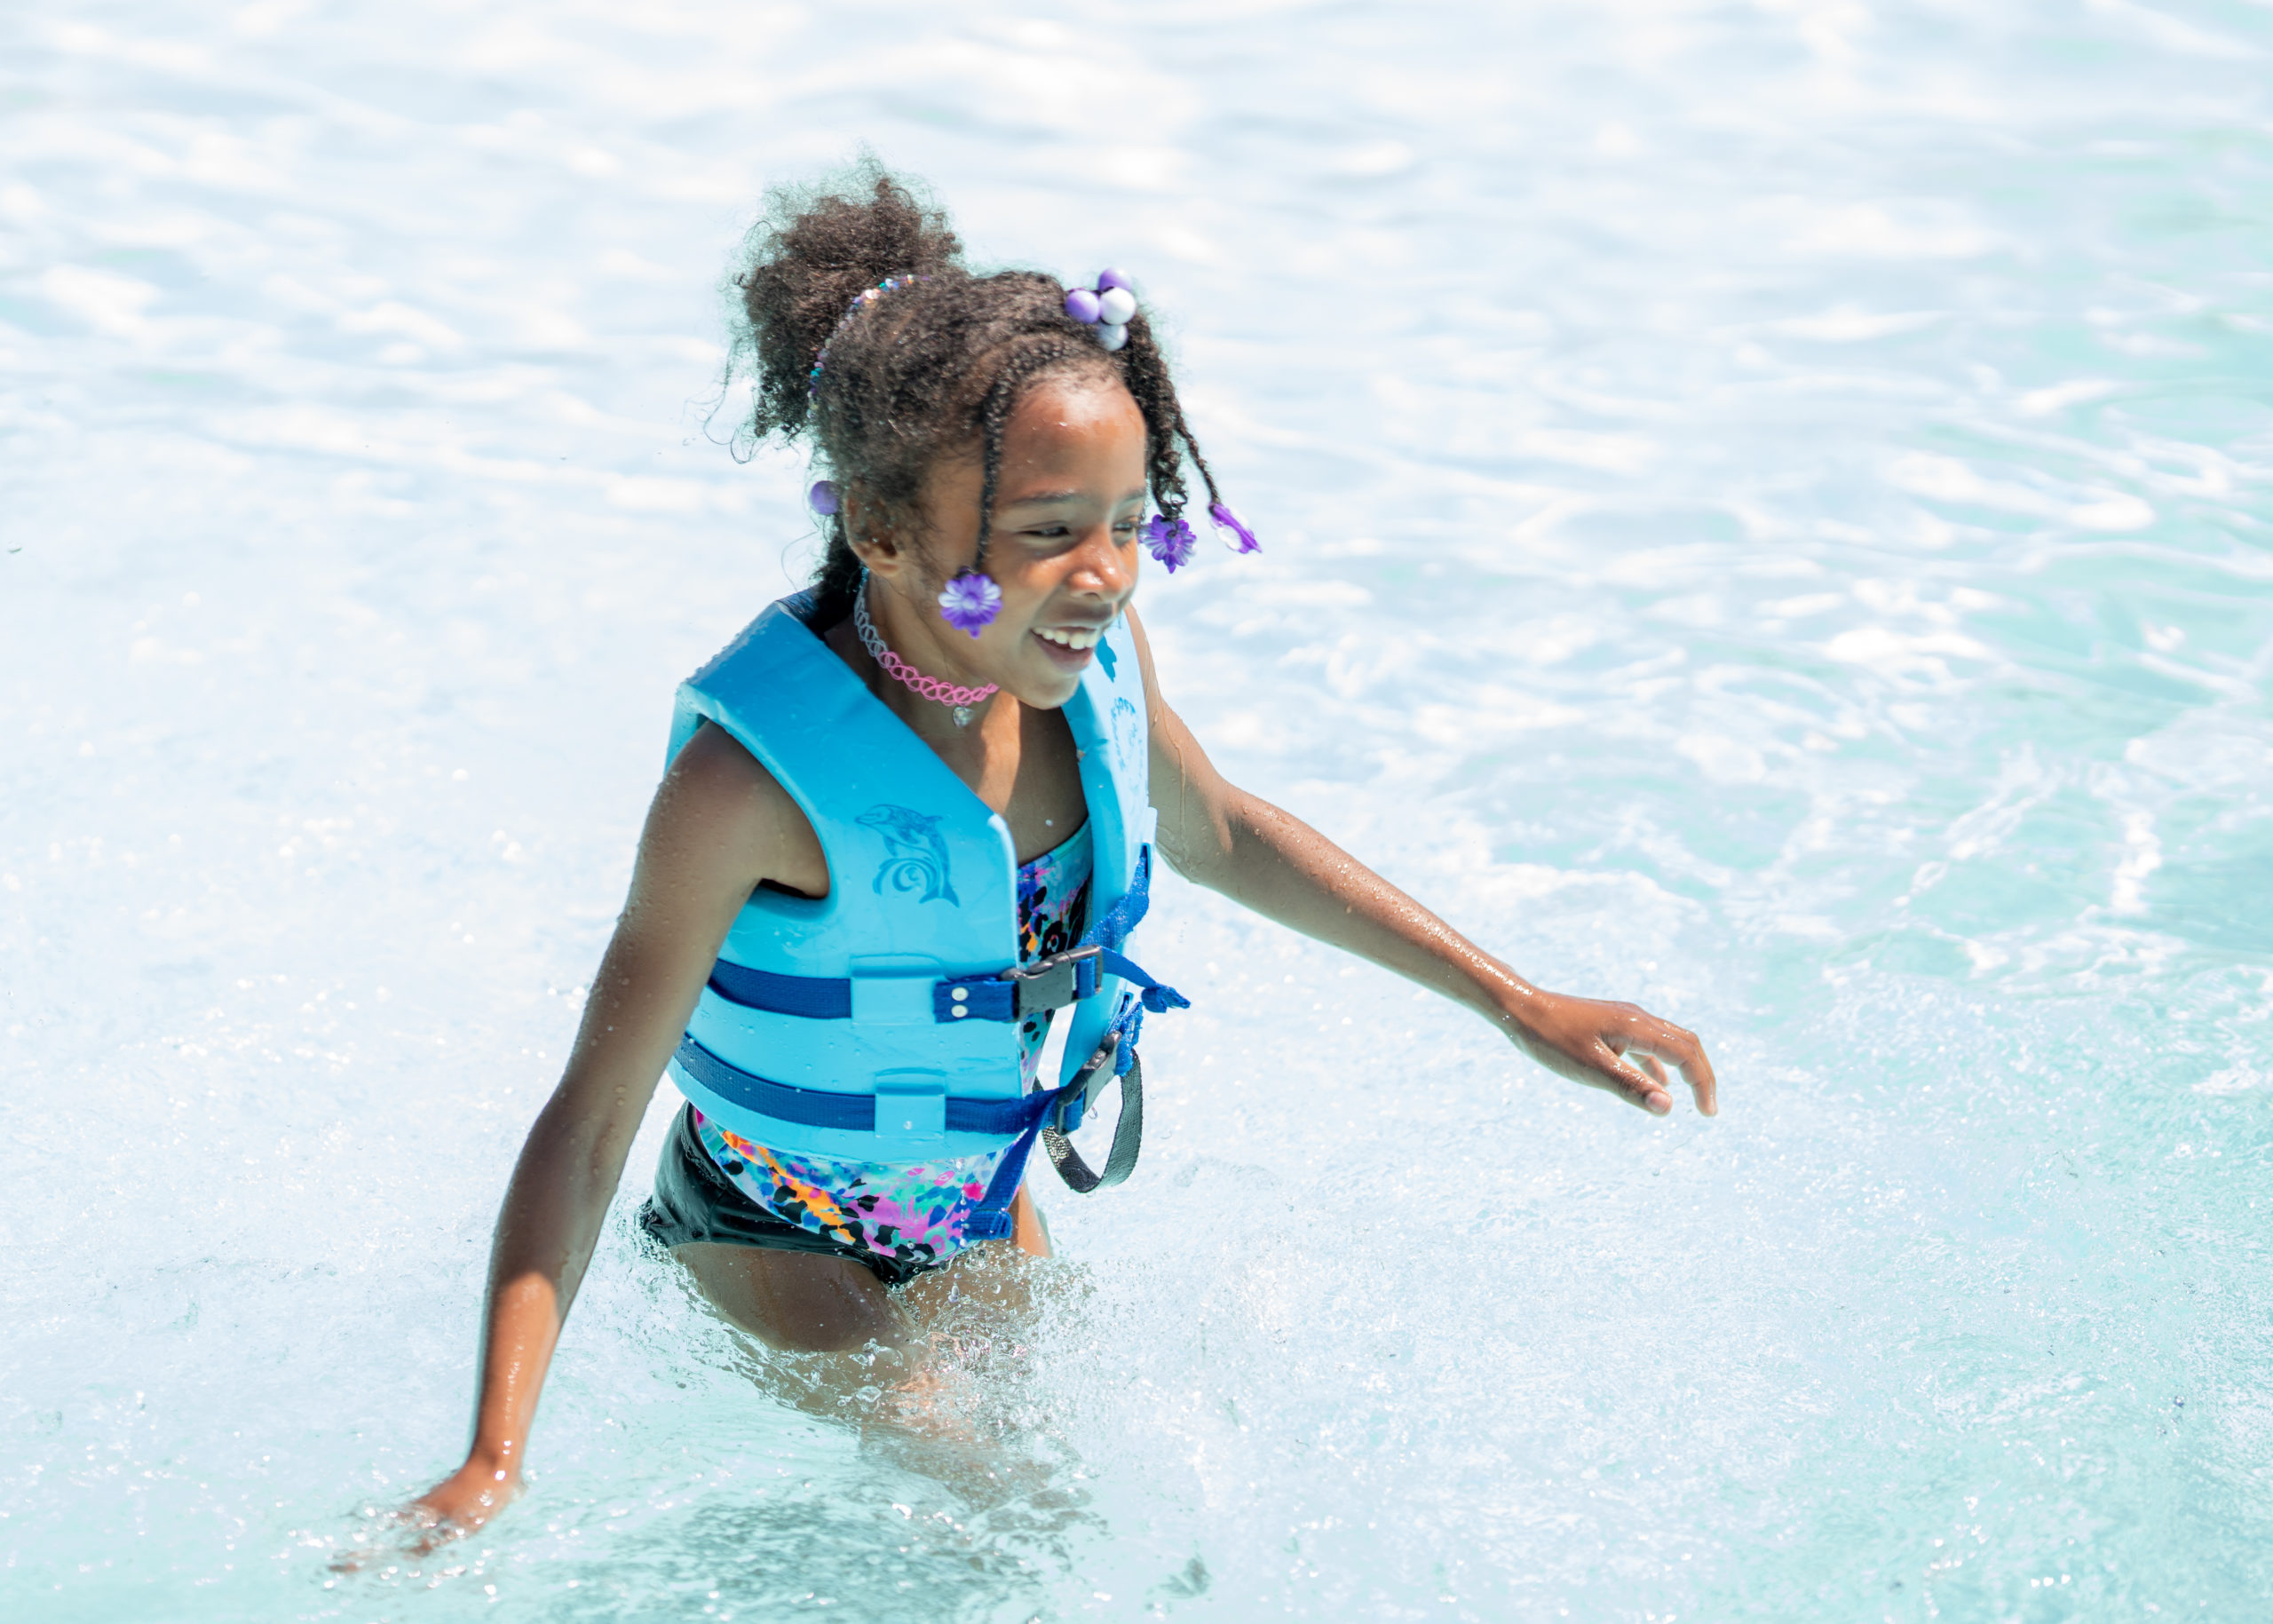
914,1214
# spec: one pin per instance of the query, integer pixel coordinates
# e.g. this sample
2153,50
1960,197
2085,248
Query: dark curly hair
934,366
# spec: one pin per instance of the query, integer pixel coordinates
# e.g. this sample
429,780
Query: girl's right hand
713,835
461,1503
452,1509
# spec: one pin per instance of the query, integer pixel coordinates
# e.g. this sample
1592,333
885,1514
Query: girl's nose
1101,567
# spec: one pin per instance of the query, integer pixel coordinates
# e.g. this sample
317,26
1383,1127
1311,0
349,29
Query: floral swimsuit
914,1213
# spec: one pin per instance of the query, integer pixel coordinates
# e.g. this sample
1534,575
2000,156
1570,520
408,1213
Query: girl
909,814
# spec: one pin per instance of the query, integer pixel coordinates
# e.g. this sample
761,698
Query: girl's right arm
717,827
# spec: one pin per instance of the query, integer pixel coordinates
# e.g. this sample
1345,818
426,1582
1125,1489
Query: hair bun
814,250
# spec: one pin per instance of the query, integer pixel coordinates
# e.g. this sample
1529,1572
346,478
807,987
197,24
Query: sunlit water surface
1767,514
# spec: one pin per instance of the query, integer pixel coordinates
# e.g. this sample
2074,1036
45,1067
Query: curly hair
936,366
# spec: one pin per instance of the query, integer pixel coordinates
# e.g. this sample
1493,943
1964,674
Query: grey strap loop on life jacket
1128,1132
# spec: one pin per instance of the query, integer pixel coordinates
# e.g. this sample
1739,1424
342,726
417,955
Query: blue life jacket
879,1023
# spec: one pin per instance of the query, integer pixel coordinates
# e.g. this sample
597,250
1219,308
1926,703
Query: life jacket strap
1052,983
1128,1131
827,1108
1061,1112
1012,995
814,997
1115,1055
1049,1115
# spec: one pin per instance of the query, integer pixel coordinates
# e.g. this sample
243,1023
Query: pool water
1768,513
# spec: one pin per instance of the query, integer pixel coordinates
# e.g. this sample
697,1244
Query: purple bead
1081,304
1235,535
822,497
1111,278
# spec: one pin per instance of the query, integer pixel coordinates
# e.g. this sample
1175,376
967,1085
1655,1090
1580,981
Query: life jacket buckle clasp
1054,982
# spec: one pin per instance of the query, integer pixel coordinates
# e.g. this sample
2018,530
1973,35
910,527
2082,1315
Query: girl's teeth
1072,640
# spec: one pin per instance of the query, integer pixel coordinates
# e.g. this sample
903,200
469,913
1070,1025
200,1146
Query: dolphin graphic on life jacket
915,853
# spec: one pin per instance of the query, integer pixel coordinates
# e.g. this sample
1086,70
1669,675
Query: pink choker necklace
958,700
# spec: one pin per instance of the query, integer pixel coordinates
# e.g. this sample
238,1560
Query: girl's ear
871,533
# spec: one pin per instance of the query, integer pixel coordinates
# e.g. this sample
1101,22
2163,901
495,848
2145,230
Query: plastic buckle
1074,1100
1058,981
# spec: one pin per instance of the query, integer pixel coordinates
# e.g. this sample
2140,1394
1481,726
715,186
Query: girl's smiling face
1069,500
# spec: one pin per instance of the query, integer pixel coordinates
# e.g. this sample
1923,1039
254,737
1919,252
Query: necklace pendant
963,716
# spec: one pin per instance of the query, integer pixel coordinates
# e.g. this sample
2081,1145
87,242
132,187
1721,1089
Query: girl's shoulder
719,799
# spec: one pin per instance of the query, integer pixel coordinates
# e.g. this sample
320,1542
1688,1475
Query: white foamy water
1767,514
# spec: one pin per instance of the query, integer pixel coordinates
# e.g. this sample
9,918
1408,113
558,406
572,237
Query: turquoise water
1767,514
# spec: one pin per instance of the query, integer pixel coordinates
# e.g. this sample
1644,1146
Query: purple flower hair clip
1105,309
971,602
1170,541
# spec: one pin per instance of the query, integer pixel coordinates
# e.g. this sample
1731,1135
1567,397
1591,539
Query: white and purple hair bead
1104,309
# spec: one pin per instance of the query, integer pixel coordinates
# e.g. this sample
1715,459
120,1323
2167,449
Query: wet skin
1064,551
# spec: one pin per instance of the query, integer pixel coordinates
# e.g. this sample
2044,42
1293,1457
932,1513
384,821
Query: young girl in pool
910,814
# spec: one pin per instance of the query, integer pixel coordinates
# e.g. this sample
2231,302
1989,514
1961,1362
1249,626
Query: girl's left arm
1220,836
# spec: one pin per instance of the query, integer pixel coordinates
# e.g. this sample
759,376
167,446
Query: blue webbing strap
987,997
1114,926
826,1108
814,997
1157,997
830,997
813,1107
1110,929
984,997
1007,998
966,997
991,1219
1025,1117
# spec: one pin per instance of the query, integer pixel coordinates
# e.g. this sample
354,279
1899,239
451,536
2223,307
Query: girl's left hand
1620,1047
